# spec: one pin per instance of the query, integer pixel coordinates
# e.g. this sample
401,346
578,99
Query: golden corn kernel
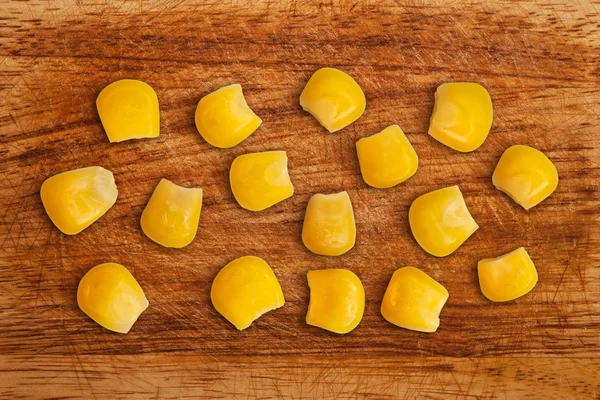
414,300
111,296
224,119
337,300
333,98
329,227
507,277
245,289
526,175
440,221
128,109
172,214
260,180
75,199
462,115
386,158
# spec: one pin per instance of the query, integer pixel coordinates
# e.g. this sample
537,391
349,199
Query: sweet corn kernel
507,277
462,115
333,98
224,119
128,109
245,289
111,296
329,227
386,158
414,300
172,214
260,180
337,300
75,199
440,221
526,175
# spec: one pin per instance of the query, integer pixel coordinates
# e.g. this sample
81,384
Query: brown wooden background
541,63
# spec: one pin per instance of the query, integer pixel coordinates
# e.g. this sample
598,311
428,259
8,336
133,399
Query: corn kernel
260,180
172,214
245,289
333,98
337,300
526,175
75,199
128,109
507,277
329,227
224,119
440,221
386,158
111,296
462,115
414,300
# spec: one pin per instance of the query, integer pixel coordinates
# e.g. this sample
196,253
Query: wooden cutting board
541,64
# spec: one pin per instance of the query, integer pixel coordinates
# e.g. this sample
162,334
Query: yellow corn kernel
128,109
462,115
386,158
245,289
414,300
224,119
440,221
333,98
260,180
111,296
329,227
526,175
337,300
75,199
507,277
172,214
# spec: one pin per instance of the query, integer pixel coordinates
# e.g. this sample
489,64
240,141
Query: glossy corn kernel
111,296
224,119
172,214
440,221
329,227
260,180
75,199
337,300
414,300
128,109
526,175
245,289
507,277
333,98
386,158
462,115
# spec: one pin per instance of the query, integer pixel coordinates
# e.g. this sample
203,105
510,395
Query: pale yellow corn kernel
414,300
224,119
329,227
526,175
440,221
507,277
172,214
333,98
386,158
462,115
129,109
75,199
245,289
260,180
111,296
337,300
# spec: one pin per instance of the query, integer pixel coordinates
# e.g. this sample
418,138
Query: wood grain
540,61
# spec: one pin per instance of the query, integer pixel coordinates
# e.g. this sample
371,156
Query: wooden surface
541,63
